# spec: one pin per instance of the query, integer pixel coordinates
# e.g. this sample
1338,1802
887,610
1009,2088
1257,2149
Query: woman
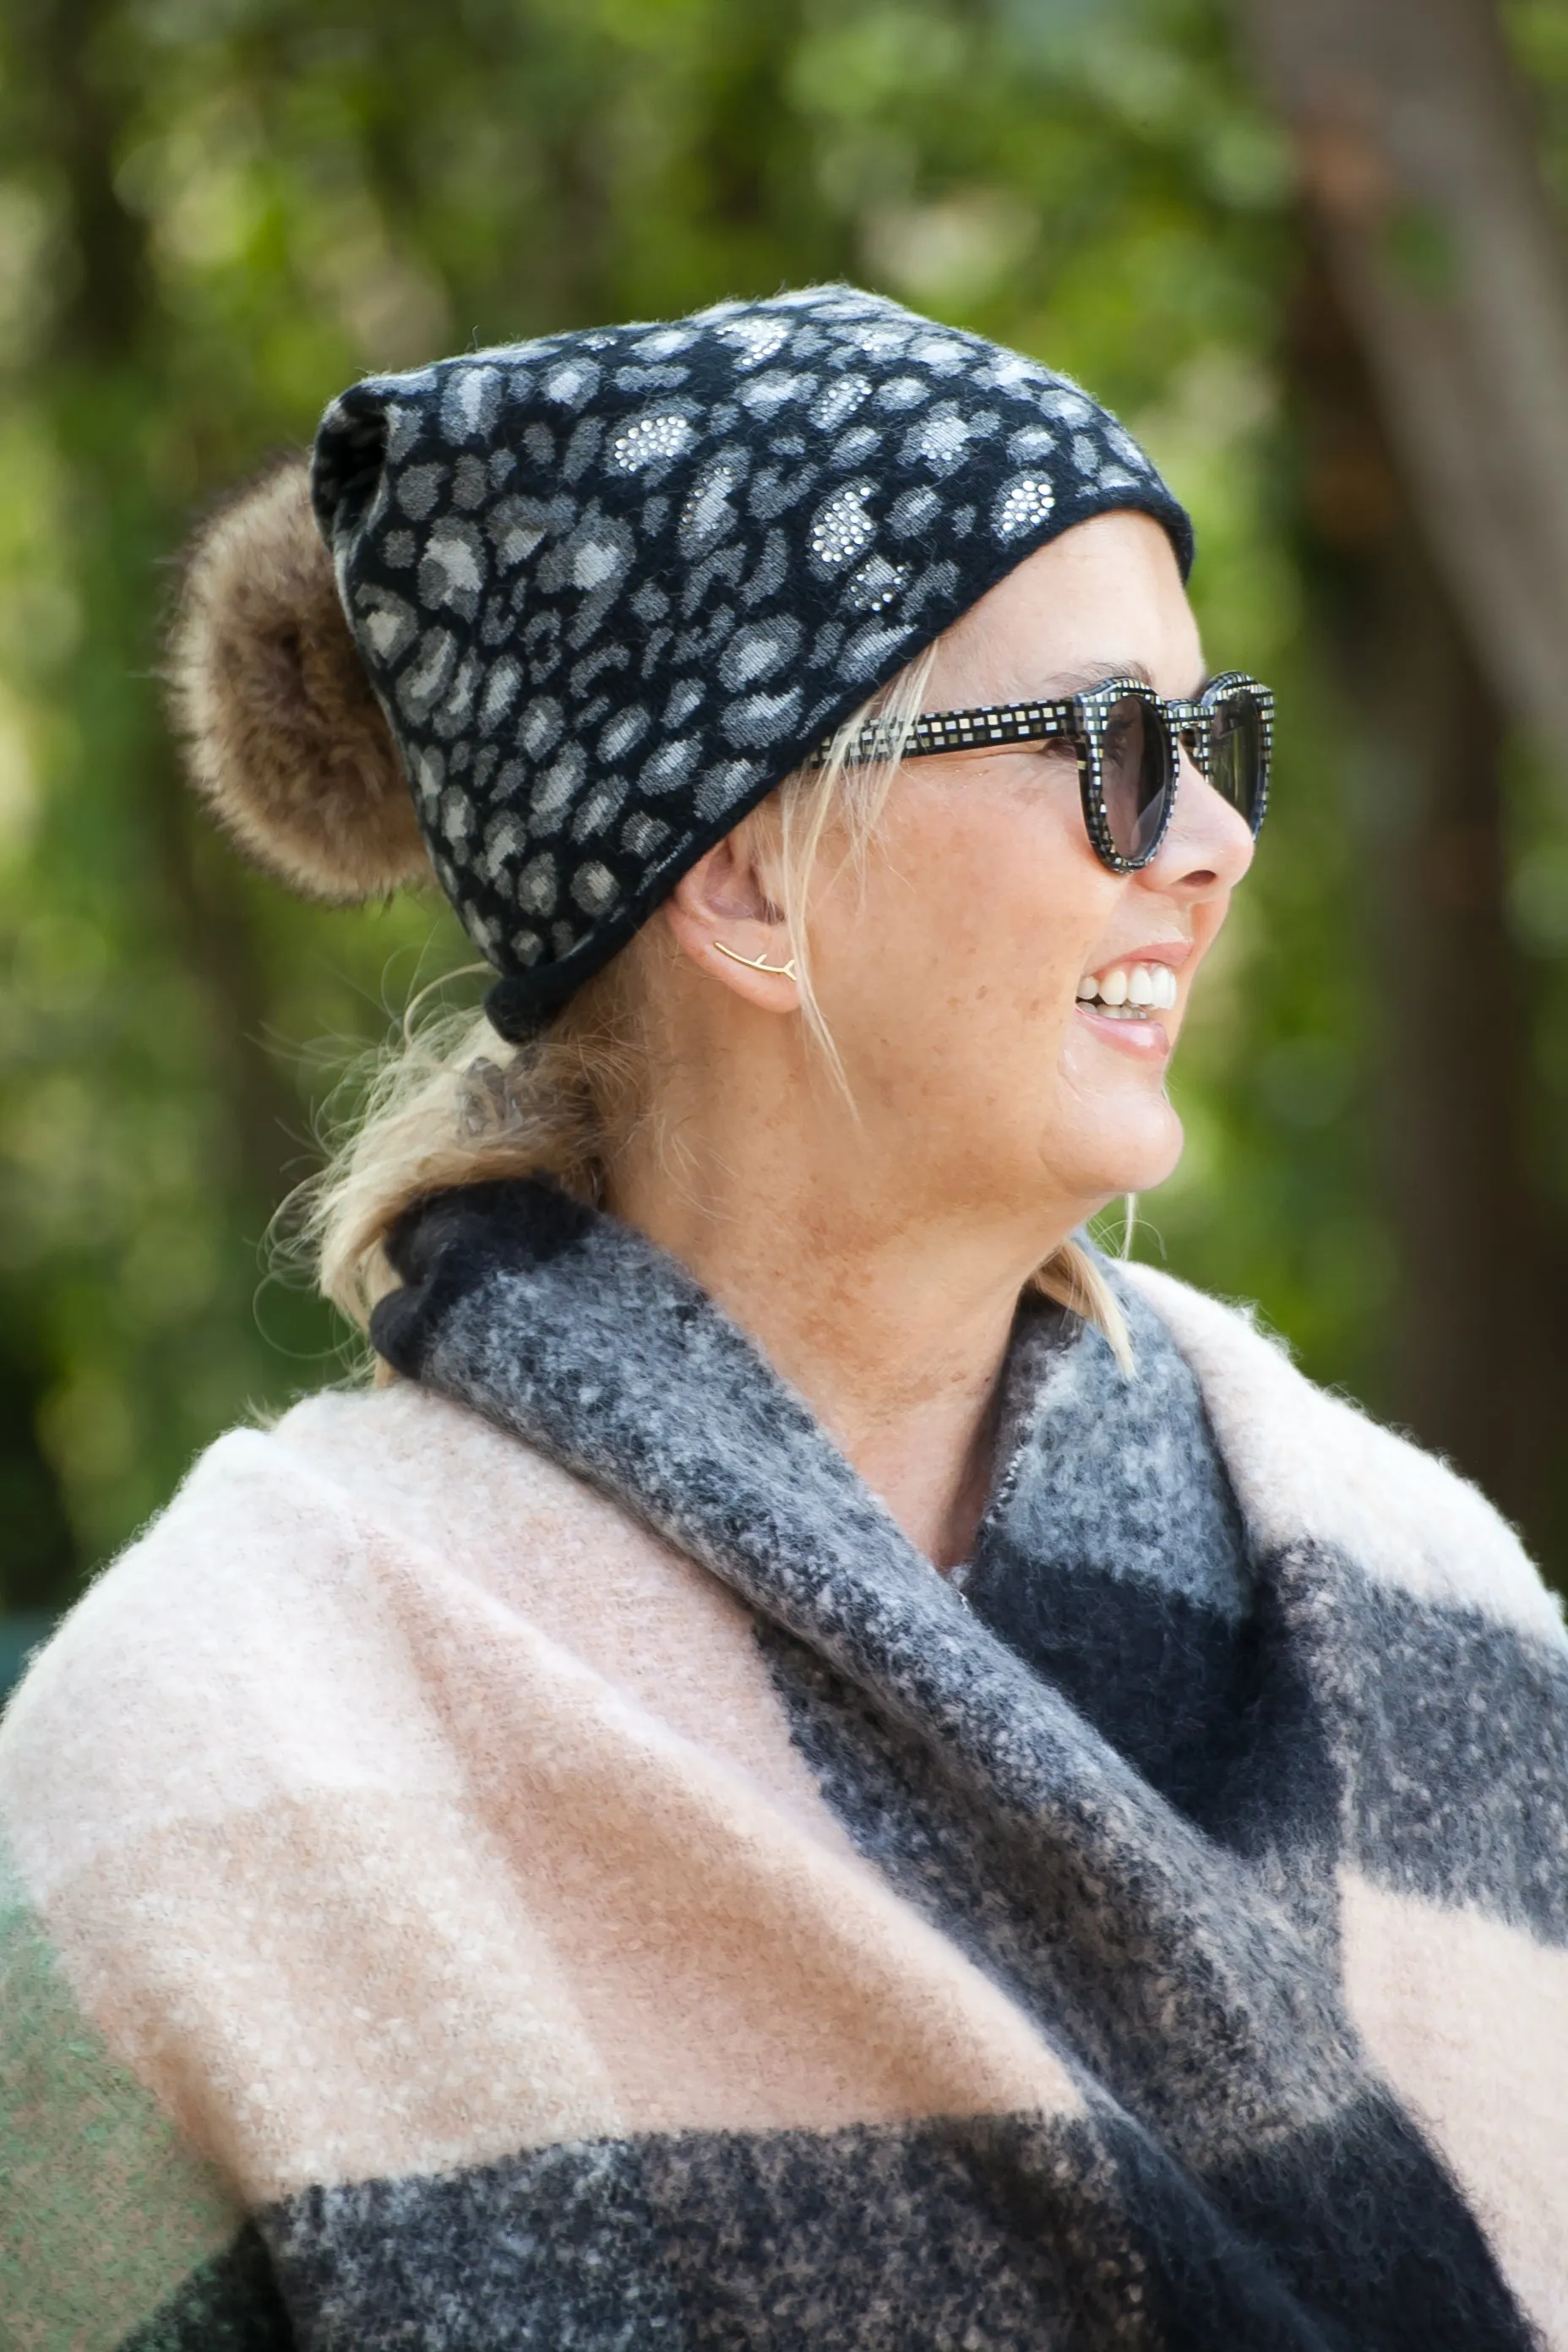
815,1766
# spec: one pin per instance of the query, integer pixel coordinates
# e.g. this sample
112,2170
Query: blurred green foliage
214,214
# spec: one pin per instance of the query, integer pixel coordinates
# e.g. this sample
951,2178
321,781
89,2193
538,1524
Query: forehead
1107,595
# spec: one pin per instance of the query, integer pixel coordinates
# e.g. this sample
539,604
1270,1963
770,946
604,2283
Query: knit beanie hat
603,591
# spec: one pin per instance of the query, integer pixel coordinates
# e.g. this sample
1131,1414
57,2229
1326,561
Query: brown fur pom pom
284,738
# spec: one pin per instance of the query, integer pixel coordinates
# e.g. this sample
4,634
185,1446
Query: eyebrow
1084,681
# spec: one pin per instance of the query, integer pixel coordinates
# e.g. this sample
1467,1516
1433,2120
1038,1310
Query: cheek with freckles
951,988
954,979
1030,899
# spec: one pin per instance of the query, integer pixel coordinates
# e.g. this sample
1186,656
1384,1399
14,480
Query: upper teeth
1141,987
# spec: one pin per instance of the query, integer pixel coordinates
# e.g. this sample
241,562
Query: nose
1208,843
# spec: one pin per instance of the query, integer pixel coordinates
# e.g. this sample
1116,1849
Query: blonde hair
452,1105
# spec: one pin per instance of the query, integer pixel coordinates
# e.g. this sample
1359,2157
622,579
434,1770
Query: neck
888,1314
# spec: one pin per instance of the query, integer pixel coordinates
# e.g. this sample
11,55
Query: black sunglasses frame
1083,720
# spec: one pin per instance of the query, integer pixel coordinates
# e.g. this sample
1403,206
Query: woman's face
955,983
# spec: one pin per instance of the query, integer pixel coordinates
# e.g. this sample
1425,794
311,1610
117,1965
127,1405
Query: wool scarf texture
1157,1942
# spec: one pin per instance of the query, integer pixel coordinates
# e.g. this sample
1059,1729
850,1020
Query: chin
1139,1158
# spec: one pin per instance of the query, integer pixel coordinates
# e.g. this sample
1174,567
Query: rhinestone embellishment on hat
842,529
646,440
877,584
1023,506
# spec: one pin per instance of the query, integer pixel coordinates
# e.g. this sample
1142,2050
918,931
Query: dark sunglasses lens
1135,768
1237,770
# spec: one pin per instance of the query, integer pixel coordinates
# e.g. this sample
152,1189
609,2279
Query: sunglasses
1128,743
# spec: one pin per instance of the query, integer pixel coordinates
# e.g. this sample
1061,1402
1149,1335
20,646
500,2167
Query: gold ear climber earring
757,963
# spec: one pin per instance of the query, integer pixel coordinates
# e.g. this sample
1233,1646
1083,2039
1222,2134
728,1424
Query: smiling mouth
1129,991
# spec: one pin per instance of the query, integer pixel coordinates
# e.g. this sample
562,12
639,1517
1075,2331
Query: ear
723,899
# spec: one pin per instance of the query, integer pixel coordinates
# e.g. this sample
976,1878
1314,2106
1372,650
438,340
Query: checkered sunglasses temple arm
957,730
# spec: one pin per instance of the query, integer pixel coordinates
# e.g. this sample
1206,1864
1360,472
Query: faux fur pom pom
284,738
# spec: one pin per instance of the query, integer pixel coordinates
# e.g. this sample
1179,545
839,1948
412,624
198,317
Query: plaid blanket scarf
532,1856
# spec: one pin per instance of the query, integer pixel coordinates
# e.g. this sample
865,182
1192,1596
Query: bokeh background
1311,249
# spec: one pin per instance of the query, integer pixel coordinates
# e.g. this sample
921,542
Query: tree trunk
1477,1360
1420,168
1432,362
